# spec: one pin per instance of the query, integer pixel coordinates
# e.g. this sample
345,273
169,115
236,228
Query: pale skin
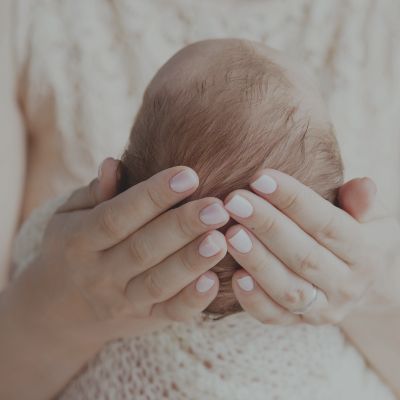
340,255
100,278
48,335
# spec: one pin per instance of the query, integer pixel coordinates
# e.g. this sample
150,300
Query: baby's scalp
226,108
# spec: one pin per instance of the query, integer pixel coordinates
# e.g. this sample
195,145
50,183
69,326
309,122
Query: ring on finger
304,309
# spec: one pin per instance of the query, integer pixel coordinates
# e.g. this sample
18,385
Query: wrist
35,305
383,296
35,346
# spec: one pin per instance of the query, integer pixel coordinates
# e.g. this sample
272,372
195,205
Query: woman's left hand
303,258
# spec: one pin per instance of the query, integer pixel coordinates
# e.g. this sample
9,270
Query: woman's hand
124,266
312,262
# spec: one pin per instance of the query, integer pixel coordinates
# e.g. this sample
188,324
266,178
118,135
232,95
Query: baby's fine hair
236,113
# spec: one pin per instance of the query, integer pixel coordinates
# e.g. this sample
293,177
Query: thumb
358,197
100,189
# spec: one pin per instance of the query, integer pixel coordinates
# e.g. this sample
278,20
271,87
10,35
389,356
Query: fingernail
264,184
183,181
246,283
213,214
239,206
241,241
204,283
209,246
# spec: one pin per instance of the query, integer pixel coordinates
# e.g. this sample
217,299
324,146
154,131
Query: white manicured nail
239,206
213,214
204,283
246,283
183,181
265,184
241,241
209,246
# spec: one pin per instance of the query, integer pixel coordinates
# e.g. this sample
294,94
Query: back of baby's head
227,108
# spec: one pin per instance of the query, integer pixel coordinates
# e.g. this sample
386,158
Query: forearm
37,359
377,337
375,329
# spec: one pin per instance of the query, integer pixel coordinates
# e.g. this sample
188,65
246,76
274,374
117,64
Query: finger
334,228
358,198
279,282
114,220
102,188
190,301
164,236
170,276
257,303
287,241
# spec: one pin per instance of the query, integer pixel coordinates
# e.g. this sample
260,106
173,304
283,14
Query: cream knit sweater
93,58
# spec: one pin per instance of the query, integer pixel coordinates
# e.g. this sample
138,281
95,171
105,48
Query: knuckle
259,265
290,201
141,251
328,231
107,221
154,288
266,225
311,260
186,222
155,197
295,298
187,260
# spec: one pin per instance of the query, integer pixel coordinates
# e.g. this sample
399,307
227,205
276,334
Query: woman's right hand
117,266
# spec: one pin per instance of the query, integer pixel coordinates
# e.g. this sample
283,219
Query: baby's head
227,108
